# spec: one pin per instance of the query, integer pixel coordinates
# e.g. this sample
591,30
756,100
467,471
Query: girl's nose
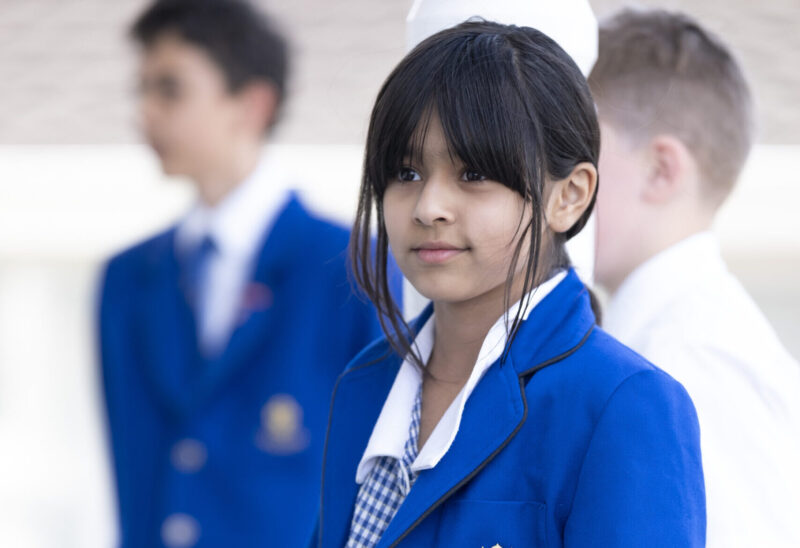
435,203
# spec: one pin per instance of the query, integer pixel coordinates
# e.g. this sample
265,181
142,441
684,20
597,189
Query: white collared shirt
238,226
687,314
391,430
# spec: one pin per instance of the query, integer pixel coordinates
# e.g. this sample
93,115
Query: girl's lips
437,253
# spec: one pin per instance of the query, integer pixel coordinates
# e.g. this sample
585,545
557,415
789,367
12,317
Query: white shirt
391,430
238,226
687,314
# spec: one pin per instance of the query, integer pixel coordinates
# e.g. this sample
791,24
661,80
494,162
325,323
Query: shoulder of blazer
379,353
142,256
374,354
594,370
123,277
561,348
323,238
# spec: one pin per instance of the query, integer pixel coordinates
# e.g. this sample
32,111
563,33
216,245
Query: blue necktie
197,269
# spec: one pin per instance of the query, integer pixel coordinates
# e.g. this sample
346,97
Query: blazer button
180,531
188,455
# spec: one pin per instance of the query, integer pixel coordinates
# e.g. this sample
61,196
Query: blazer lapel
357,401
168,340
557,327
481,436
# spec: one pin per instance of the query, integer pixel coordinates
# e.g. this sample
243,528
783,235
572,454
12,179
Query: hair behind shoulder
662,72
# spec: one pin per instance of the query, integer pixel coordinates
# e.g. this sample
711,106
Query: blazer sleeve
641,482
112,346
313,539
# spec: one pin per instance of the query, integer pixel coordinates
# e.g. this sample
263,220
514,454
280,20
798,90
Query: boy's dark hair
662,72
513,106
243,42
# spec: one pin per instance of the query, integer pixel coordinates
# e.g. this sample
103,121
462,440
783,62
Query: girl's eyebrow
412,150
410,155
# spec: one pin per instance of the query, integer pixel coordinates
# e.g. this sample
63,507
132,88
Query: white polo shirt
391,430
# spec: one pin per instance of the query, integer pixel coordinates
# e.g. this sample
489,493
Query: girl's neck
458,339
460,329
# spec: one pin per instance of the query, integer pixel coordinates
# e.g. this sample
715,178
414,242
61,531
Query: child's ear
670,164
569,197
260,102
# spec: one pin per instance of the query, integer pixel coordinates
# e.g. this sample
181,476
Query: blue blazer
574,440
230,448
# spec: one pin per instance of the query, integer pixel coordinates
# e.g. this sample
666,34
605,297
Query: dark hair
659,71
243,42
513,106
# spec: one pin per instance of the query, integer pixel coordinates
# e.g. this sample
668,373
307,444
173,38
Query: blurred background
76,184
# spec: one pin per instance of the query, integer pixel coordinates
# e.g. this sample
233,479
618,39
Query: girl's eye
406,174
472,176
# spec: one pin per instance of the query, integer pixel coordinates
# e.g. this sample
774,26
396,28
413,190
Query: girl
485,423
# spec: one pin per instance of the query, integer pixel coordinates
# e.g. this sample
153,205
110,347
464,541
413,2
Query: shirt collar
391,429
659,281
238,223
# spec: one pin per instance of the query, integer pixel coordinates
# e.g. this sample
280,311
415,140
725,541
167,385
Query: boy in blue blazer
221,338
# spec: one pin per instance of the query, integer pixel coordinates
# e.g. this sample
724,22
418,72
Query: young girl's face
452,232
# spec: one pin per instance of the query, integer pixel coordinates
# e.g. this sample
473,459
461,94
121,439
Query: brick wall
66,67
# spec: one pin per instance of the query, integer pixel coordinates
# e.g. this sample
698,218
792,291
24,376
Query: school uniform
573,440
217,405
683,310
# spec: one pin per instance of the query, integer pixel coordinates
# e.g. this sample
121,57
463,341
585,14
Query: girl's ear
569,197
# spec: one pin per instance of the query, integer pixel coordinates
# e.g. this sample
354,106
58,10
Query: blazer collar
554,329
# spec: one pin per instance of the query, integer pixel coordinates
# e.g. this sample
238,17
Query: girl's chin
440,294
451,294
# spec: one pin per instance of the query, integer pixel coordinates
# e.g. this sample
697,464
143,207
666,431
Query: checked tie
385,489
